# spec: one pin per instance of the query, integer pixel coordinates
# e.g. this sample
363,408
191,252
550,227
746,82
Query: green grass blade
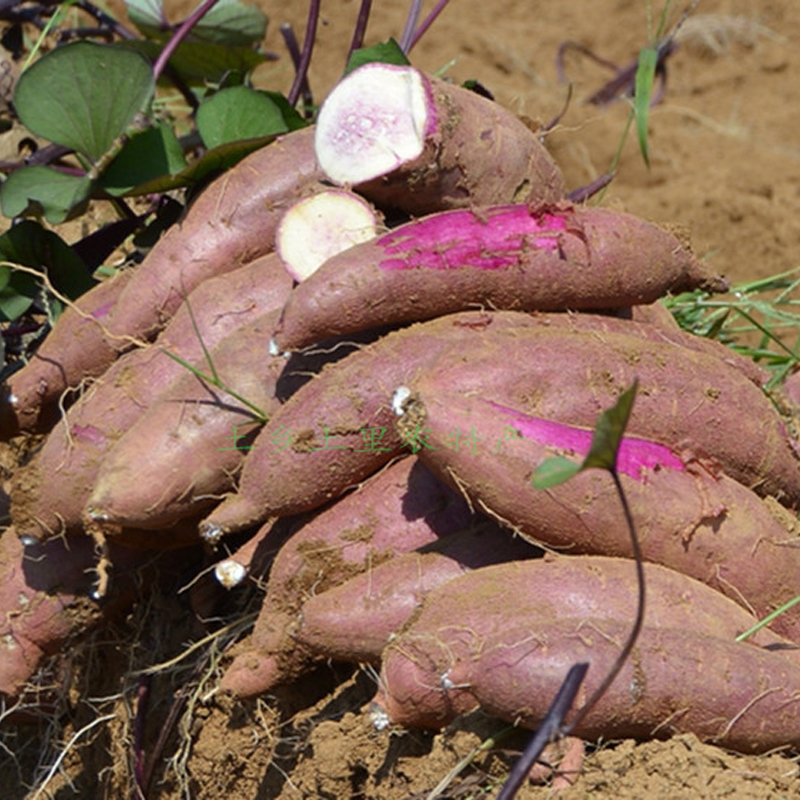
645,76
215,381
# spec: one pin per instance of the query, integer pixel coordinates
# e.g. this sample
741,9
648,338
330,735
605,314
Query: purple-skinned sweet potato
230,223
66,357
336,431
687,518
400,509
461,578
688,400
45,599
314,447
144,481
420,144
354,621
51,492
675,681
514,257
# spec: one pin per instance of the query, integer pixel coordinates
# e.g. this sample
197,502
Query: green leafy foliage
38,189
145,158
603,451
239,113
759,319
84,95
30,245
388,52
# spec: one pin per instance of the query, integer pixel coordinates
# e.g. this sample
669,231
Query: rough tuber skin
401,508
49,494
676,681
702,524
418,144
512,257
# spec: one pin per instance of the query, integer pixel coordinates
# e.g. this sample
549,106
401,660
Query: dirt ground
725,165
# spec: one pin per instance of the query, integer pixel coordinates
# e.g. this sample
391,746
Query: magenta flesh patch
455,239
634,456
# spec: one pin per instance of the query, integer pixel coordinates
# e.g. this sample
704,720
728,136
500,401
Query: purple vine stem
411,23
180,35
305,57
426,23
290,40
361,27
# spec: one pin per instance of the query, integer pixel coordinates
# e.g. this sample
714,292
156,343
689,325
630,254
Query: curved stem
637,624
180,35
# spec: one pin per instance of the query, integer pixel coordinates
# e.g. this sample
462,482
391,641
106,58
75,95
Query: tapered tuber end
377,119
251,674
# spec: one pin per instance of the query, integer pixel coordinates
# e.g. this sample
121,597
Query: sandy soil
725,166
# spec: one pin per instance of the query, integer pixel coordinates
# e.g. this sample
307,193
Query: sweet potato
648,326
442,587
232,222
335,432
676,681
419,144
294,467
144,481
65,358
50,493
400,509
355,621
44,599
687,518
688,400
507,257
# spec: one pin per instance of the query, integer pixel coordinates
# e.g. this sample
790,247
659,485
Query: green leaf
30,245
238,113
645,75
385,52
146,157
554,471
17,297
37,189
233,24
213,162
84,95
203,62
603,451
230,23
290,114
147,16
609,432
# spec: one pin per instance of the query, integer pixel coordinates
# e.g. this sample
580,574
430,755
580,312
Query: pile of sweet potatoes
387,413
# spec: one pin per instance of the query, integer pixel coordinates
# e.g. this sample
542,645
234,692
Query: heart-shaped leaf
84,95
238,113
38,189
232,23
